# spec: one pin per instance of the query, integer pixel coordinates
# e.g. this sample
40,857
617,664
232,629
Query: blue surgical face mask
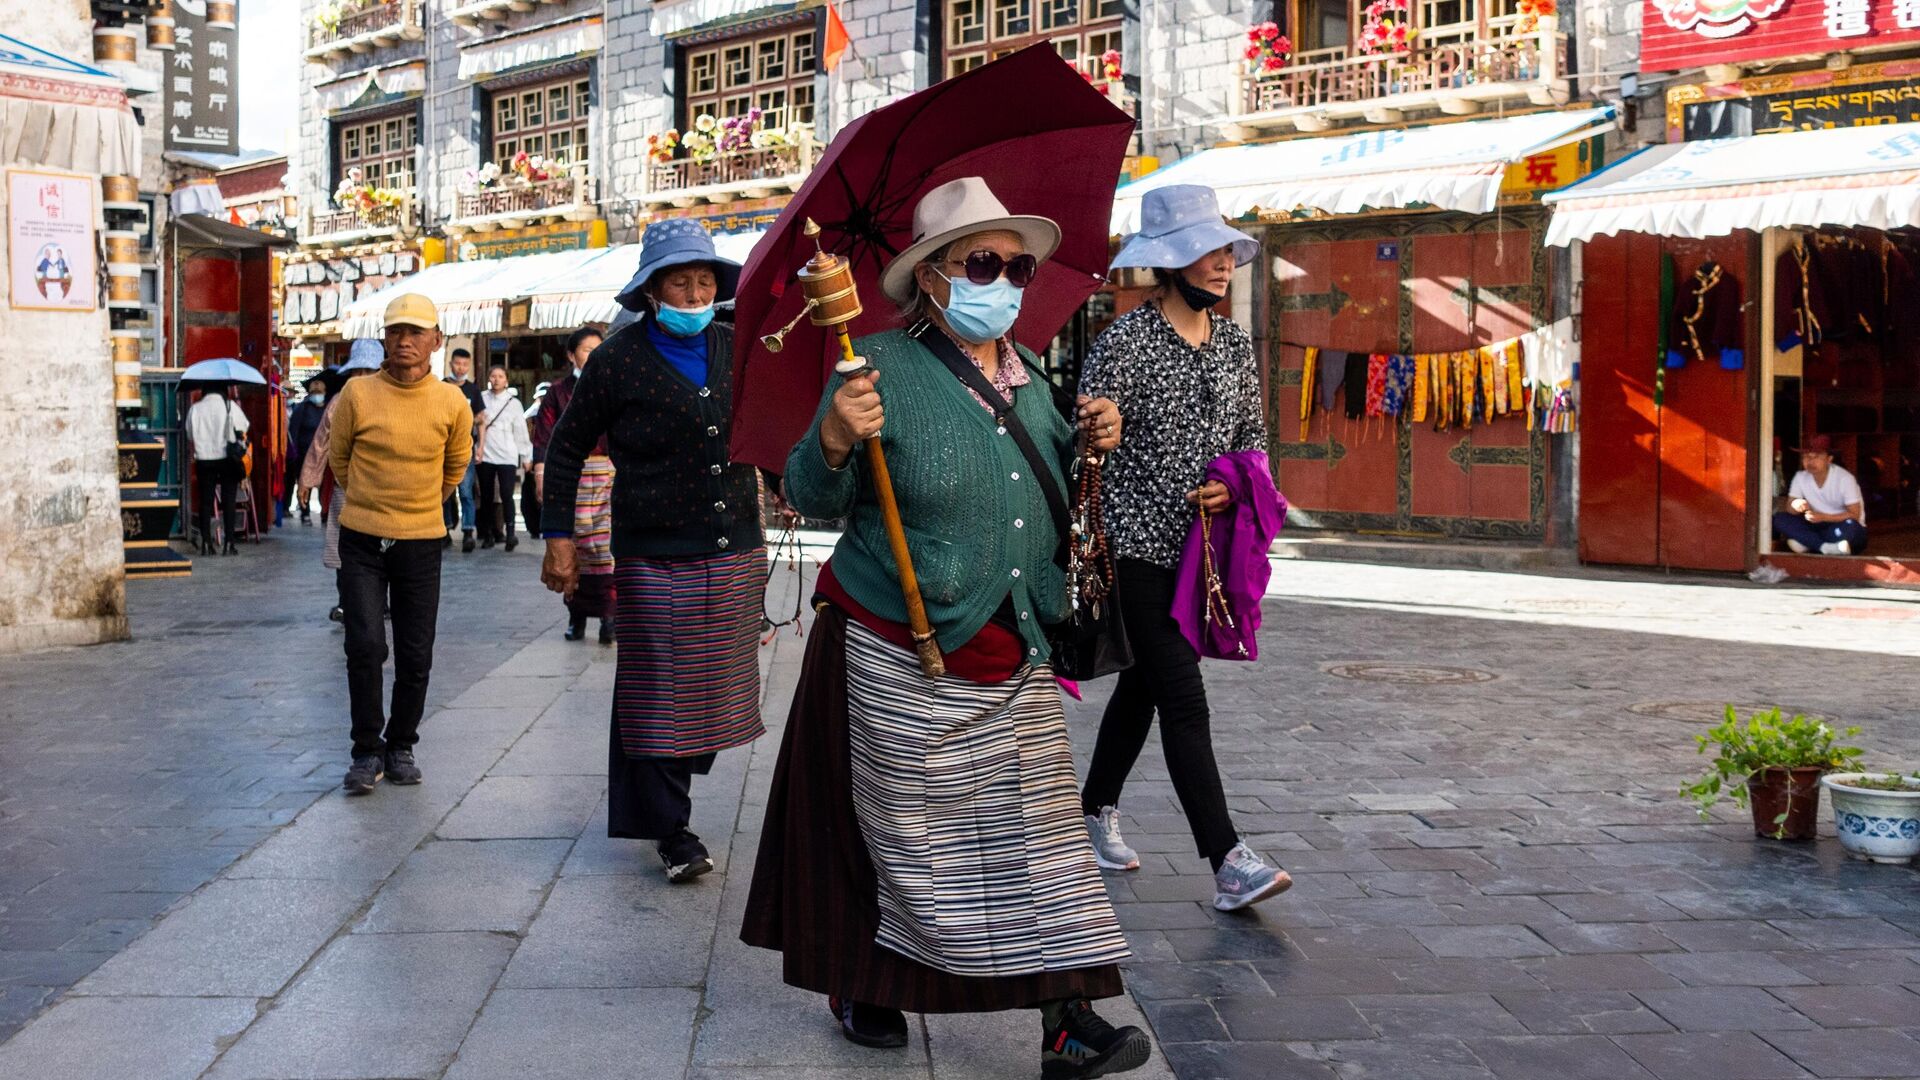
981,313
318,397
684,322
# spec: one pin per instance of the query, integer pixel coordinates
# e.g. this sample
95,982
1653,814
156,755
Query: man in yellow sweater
401,442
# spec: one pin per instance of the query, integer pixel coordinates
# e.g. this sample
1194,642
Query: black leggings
1166,676
496,500
222,475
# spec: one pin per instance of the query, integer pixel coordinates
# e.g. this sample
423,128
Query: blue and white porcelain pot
1883,826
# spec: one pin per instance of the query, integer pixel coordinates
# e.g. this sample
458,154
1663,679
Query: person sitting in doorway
1825,511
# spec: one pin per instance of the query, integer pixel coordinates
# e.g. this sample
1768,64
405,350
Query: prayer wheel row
126,368
220,14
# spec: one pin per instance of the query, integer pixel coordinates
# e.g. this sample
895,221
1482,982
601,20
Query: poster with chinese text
51,262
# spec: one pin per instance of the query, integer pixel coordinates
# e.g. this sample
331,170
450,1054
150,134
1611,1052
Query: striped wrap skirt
593,540
688,677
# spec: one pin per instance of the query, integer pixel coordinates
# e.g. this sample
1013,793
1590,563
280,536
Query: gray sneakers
1111,852
1245,878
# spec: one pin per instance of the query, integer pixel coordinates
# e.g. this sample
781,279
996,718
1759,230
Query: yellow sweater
397,447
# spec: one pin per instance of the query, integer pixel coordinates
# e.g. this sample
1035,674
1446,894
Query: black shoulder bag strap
976,380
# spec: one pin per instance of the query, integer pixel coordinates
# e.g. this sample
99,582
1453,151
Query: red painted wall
1661,485
1772,29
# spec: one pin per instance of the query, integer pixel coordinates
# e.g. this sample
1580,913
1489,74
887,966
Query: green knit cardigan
978,525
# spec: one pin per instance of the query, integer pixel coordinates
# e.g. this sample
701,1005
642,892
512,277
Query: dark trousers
405,576
496,500
530,507
219,473
1165,676
1792,526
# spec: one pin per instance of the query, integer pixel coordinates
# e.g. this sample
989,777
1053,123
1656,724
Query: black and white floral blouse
1180,408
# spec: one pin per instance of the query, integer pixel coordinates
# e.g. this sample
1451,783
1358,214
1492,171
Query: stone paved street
1471,776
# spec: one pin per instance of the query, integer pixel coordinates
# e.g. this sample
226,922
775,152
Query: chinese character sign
201,113
1680,34
51,263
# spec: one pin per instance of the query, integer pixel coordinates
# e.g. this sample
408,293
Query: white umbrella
232,371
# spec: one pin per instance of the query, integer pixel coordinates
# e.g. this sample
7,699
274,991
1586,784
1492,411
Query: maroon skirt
813,896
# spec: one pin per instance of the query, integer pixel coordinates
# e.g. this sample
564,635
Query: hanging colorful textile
1307,387
1707,319
1399,384
1516,392
1422,386
1355,385
1497,359
1376,383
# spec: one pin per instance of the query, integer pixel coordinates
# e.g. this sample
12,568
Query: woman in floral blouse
1185,379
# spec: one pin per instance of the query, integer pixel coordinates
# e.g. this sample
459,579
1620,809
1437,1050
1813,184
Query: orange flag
836,39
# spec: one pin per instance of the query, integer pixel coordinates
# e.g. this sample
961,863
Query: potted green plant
1877,815
1774,766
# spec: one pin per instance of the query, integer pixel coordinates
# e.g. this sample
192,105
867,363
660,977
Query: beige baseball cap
412,309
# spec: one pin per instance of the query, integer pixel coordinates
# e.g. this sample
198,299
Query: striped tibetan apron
593,539
688,679
971,814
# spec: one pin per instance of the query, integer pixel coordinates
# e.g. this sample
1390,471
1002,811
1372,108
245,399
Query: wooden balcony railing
1466,61
735,167
374,22
549,197
321,224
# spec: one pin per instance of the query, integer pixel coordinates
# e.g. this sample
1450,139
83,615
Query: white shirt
1839,492
507,442
207,426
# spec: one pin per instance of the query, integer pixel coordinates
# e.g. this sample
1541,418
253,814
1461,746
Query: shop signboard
534,240
50,247
1862,95
201,74
1679,34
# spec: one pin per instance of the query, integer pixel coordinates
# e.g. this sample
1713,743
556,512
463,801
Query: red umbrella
1046,143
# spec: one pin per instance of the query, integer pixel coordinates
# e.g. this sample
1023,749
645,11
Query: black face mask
1196,297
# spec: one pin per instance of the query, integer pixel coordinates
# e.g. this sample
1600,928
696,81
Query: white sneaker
1245,878
1109,850
1797,547
1836,547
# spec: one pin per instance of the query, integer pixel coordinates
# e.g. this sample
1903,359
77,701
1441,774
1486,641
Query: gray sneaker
1111,852
1245,878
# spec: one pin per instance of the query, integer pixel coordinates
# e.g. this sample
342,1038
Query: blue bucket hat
367,354
1178,224
677,242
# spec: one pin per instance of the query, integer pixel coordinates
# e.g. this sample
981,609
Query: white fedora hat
958,209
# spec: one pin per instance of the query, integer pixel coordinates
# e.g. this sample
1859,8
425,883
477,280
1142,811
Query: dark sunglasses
984,266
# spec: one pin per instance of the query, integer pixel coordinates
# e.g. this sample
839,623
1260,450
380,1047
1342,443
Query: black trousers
219,473
1165,676
650,798
405,576
496,500
530,507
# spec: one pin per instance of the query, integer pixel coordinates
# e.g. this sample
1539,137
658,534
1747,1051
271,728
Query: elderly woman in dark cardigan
690,560
923,849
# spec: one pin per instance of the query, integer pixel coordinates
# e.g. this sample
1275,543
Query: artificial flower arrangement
328,18
661,147
485,178
372,204
710,137
1109,68
532,168
1532,11
1267,48
1386,27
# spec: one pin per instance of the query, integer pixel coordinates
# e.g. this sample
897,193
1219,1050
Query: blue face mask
982,313
684,322
317,397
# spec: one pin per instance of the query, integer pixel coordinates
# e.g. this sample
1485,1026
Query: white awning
539,45
405,77
679,16
1865,176
1456,166
472,296
586,294
63,114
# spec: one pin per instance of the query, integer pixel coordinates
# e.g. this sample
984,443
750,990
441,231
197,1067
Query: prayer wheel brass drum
120,189
123,250
220,14
833,300
115,45
160,34
126,349
123,291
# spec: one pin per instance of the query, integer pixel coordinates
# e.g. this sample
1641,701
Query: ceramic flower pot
1881,826
1792,792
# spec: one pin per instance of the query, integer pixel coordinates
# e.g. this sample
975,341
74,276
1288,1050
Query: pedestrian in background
301,425
213,423
504,448
1186,380
690,565
593,506
400,442
460,374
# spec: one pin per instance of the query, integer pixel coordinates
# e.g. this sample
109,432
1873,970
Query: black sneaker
1085,1045
486,542
606,631
334,614
466,541
366,772
686,857
870,1025
401,769
513,541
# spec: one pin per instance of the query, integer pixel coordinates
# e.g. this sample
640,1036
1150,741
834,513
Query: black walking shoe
686,857
466,541
576,629
366,772
334,614
513,541
486,542
606,631
401,769
870,1025
1085,1045
448,542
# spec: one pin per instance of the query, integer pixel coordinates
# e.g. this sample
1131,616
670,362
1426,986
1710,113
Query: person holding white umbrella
216,434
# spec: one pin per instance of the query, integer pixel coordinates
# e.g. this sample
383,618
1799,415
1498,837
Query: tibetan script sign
1681,34
201,76
1863,95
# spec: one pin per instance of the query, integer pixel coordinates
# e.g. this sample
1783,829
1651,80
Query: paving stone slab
1266,1018
1436,1015
1581,1012
524,807
466,885
121,1038
1562,1057
1872,1052
1710,1055
1728,969
580,1033
664,934
1854,1006
1723,1008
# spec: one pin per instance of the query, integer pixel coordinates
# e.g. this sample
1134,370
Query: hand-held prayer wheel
833,300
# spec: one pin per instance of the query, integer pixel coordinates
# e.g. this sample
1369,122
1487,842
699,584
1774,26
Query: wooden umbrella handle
931,662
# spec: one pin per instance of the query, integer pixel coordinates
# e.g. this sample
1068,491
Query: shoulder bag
1092,641
239,451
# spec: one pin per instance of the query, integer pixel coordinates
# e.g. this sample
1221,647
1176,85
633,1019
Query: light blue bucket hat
677,242
1178,224
366,354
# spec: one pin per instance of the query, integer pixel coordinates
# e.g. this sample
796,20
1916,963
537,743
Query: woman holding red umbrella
955,875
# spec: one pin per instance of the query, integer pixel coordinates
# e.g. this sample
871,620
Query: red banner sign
1679,34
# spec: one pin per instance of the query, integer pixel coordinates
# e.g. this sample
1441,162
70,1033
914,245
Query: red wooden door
1662,482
